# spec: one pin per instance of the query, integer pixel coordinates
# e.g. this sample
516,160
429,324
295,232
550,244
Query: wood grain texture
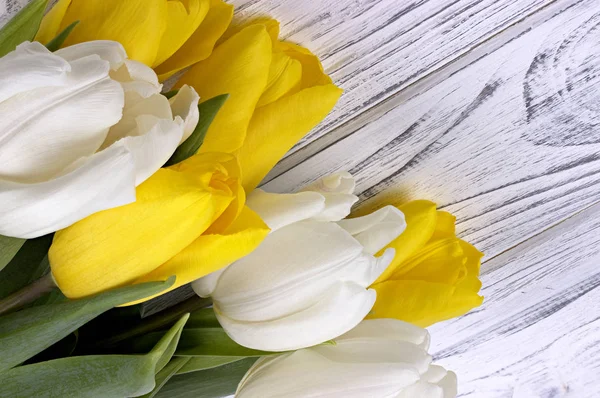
538,331
509,142
374,48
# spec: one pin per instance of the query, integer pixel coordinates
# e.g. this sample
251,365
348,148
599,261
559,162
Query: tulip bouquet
114,190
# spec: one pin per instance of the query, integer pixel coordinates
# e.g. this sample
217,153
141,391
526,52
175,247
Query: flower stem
28,294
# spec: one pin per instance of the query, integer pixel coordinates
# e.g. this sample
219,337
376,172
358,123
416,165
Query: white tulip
380,358
80,128
307,282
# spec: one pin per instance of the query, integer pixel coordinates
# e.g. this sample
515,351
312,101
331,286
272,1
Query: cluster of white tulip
81,128
307,284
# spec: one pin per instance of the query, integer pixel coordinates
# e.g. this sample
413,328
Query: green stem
166,317
28,294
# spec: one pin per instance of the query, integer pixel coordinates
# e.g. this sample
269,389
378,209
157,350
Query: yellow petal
421,303
442,261
421,221
183,18
445,226
276,127
239,67
137,24
312,70
472,265
201,43
115,247
284,75
271,25
50,26
211,252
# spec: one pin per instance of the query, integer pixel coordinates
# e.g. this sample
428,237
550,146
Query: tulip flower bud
79,130
307,282
377,359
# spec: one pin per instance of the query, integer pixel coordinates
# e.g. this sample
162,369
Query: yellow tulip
168,35
277,93
188,220
434,275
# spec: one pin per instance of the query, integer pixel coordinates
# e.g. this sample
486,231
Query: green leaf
26,333
203,318
94,375
216,382
58,41
26,266
164,375
195,364
8,248
22,27
208,110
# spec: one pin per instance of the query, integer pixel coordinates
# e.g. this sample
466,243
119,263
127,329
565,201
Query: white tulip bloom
307,282
80,128
379,358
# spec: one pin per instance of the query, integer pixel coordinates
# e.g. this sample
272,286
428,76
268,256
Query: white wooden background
490,108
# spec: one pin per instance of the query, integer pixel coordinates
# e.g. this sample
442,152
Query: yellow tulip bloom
188,220
277,93
434,275
168,35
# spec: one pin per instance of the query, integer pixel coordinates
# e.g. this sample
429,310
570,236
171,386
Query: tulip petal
210,253
107,50
316,255
338,311
306,373
239,67
52,21
376,230
74,118
201,43
445,226
137,25
338,191
185,105
421,303
176,201
341,182
183,18
270,24
389,329
276,127
102,181
441,261
137,77
279,210
152,144
29,67
285,74
312,70
421,220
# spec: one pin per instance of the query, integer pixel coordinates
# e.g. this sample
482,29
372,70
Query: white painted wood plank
538,331
510,143
374,48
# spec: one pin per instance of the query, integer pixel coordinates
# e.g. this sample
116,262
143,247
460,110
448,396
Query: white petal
279,210
338,311
43,130
185,105
376,230
388,329
154,144
135,76
108,50
422,389
156,105
205,286
449,384
31,66
337,206
305,373
103,181
341,182
289,271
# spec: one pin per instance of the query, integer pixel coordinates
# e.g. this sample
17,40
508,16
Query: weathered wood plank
538,331
510,143
374,48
